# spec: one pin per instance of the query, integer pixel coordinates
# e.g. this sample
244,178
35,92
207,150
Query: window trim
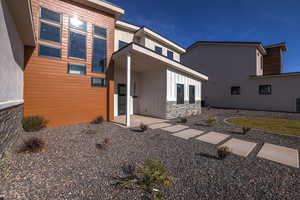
56,25
69,45
105,67
76,64
52,57
177,99
235,87
105,82
60,13
100,36
265,94
194,100
70,27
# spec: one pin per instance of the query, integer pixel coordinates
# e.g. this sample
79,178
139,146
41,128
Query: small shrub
106,141
182,120
246,130
237,111
104,144
34,123
223,152
32,145
211,120
143,127
97,120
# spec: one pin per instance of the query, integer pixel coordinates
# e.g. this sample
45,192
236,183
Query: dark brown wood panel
49,90
272,61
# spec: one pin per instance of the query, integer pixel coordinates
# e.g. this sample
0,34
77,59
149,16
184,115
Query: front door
298,105
121,99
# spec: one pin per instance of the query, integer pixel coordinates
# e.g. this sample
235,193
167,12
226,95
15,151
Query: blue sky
184,22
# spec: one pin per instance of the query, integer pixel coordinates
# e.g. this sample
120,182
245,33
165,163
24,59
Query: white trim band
7,104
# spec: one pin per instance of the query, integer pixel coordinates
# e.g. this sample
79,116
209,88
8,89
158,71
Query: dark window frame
56,25
53,21
265,93
76,64
97,35
235,87
192,101
69,45
53,57
170,53
179,100
120,41
77,29
96,86
160,52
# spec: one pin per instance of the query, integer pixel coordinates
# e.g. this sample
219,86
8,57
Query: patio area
136,120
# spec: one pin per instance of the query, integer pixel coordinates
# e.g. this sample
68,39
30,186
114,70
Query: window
48,51
99,31
192,94
77,46
235,90
158,50
99,55
122,44
76,69
180,94
50,33
170,54
78,24
265,89
98,82
50,15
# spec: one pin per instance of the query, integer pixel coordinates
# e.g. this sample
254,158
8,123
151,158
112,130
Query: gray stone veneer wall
175,110
10,126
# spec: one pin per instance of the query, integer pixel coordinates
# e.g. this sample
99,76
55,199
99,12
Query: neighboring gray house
16,32
245,75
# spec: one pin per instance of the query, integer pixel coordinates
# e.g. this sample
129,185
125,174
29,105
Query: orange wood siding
272,61
49,90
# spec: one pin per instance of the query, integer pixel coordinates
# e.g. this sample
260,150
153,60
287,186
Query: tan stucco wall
123,35
228,66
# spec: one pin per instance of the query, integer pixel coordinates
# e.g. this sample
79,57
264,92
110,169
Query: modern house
245,75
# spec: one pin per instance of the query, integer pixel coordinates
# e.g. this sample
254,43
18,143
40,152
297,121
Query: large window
76,69
98,82
48,51
78,24
192,94
50,15
99,50
158,50
122,44
265,89
180,94
170,55
50,33
235,90
77,46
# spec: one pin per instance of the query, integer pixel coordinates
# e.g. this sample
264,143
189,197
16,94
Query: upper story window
192,94
158,50
99,31
180,94
265,89
235,90
50,33
50,15
78,24
170,55
122,44
48,51
99,51
77,45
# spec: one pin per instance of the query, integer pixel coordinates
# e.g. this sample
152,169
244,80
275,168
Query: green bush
34,123
211,120
97,120
32,145
246,130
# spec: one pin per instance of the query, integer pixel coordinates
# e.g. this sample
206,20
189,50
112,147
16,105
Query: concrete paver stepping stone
175,128
189,133
280,154
213,137
160,125
240,147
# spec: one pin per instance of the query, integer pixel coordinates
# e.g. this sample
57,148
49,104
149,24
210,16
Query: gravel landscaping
74,167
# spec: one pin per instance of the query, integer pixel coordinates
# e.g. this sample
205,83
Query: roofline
281,44
161,38
276,75
258,44
127,26
171,62
103,6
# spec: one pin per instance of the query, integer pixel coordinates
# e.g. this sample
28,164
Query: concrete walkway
276,153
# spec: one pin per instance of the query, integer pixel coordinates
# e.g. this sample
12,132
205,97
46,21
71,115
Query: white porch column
128,90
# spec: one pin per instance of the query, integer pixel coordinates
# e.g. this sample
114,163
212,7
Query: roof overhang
136,48
127,26
281,45
152,34
22,15
282,75
105,6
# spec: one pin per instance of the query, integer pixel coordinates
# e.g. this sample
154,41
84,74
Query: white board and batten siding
174,78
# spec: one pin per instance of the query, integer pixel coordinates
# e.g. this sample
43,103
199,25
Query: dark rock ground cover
72,167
